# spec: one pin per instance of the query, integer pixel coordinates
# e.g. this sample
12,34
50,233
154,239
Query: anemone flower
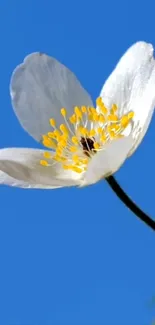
84,143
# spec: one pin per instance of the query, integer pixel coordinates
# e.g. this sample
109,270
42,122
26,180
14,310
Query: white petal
23,166
132,87
7,180
40,87
108,161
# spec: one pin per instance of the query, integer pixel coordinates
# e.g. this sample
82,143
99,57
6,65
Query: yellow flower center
82,135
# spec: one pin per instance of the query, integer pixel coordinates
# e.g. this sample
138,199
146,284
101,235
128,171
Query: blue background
75,256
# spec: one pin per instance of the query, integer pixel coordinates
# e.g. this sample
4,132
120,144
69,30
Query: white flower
84,143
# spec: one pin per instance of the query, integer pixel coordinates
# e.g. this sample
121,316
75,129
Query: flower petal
108,161
8,180
40,87
23,166
132,87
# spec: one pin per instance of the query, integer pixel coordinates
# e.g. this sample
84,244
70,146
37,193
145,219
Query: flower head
82,135
85,143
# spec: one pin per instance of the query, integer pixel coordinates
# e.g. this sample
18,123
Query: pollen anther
52,122
43,163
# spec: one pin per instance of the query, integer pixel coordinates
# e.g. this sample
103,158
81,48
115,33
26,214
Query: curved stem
129,203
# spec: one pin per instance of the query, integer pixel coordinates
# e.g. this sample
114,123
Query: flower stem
129,203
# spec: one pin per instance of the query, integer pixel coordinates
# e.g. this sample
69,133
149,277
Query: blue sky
71,256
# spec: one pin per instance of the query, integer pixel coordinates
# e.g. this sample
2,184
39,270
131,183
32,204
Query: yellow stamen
47,154
112,134
93,110
73,119
96,145
64,129
83,134
66,167
49,143
84,109
59,159
76,169
115,127
104,110
112,118
73,149
75,158
84,131
102,118
92,133
44,163
84,161
114,109
119,136
78,112
52,122
90,117
63,143
59,151
124,121
57,133
95,117
130,115
75,140
99,101
63,112
103,138
73,168
99,130
50,134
